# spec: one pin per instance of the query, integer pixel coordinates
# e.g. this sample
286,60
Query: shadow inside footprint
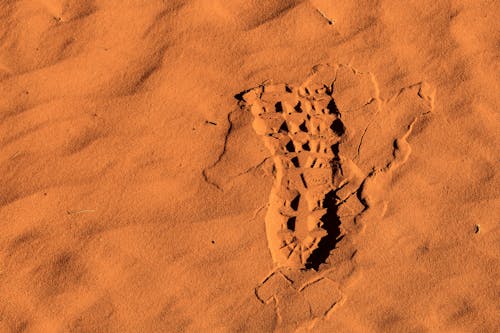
331,223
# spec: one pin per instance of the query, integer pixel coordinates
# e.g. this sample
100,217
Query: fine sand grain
249,166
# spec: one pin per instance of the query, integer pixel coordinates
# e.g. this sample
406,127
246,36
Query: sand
249,166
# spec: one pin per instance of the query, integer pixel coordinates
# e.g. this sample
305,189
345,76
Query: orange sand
140,192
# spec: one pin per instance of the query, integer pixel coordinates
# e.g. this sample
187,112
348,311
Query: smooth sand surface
249,166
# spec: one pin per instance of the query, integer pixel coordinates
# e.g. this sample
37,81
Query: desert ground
249,166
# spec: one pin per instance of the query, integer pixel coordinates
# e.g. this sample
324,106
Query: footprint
299,128
326,156
333,142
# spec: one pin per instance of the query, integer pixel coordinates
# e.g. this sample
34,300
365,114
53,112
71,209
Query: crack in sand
205,176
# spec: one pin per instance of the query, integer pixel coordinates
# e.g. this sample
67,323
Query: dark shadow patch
283,127
295,202
332,108
278,107
303,127
338,127
331,223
